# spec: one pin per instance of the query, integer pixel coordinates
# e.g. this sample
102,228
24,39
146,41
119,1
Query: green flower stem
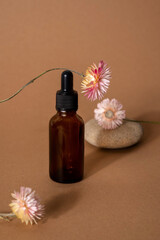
49,70
7,216
141,121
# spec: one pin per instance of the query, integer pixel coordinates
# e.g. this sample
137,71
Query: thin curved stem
49,70
7,216
141,121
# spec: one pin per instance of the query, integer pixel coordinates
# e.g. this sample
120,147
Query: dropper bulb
67,81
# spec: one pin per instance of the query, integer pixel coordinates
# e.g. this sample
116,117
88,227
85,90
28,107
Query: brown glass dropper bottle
66,135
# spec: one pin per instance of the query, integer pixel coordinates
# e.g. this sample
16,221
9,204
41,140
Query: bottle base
64,181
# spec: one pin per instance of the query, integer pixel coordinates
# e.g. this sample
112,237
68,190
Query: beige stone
128,134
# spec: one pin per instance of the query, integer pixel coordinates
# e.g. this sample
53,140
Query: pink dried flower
109,113
26,205
96,81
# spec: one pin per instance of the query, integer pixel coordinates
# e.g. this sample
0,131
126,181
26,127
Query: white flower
109,113
26,205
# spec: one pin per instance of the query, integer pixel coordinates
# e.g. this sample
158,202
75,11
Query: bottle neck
66,113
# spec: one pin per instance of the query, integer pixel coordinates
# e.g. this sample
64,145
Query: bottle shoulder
64,118
55,119
80,118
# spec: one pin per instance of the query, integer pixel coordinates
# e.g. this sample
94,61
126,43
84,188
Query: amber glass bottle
66,135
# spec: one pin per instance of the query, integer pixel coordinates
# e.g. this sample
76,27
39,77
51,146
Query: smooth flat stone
128,134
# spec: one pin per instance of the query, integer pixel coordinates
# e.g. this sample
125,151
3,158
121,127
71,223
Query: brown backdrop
119,197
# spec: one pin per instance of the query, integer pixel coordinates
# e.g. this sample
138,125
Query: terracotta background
120,194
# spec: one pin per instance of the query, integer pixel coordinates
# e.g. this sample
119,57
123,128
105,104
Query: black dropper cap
66,98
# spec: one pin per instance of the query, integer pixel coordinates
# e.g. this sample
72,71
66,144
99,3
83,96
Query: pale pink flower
109,113
26,205
96,81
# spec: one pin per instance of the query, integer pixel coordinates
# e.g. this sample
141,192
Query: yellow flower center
23,204
93,82
109,114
